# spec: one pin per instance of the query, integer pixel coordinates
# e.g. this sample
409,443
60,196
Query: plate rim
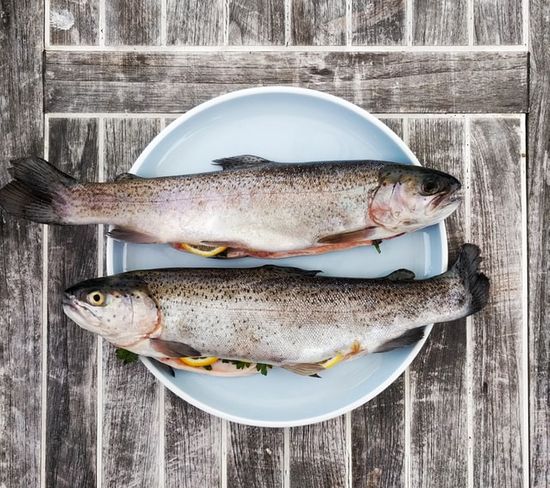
308,420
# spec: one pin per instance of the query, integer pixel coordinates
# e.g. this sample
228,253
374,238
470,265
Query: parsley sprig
126,356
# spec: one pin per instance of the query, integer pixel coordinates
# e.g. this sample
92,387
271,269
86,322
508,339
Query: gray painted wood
318,455
538,209
254,457
193,445
135,22
378,22
440,23
195,22
74,22
131,395
378,427
380,82
497,330
318,22
256,22
498,22
72,352
438,382
21,132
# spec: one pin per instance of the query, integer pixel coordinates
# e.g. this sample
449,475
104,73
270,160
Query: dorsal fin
401,275
239,162
290,270
126,176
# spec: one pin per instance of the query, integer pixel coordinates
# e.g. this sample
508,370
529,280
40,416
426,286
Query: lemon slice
199,361
204,251
329,363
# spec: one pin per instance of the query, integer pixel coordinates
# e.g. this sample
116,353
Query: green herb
126,356
376,245
238,364
208,367
262,368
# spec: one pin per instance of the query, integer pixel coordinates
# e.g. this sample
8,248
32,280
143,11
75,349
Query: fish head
411,197
119,308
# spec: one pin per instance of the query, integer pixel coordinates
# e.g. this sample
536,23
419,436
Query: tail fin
38,192
476,283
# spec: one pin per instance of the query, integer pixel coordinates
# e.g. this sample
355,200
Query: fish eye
96,298
429,187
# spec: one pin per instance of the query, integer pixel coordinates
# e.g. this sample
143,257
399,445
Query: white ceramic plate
284,124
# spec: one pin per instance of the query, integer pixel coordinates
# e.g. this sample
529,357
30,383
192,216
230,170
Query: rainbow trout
278,316
253,207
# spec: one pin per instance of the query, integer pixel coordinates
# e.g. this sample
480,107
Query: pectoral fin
129,235
355,236
304,369
172,349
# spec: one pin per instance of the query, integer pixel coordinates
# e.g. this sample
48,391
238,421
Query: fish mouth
446,199
78,313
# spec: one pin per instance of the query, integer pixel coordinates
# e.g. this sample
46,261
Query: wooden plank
318,455
438,382
193,446
498,22
378,22
380,82
378,427
256,22
497,330
72,351
195,22
20,250
538,209
74,22
318,22
255,457
440,23
131,395
132,23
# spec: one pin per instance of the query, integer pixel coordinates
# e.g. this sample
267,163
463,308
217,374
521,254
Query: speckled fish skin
252,204
279,316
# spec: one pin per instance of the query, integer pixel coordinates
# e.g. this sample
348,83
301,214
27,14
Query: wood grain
195,22
131,395
193,445
74,22
255,457
132,22
380,82
438,382
378,22
318,22
497,329
538,209
72,351
378,427
256,22
498,22
318,455
440,23
21,132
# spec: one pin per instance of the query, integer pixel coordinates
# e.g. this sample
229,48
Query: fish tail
476,283
38,191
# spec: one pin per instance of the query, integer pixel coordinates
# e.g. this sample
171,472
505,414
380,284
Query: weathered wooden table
466,83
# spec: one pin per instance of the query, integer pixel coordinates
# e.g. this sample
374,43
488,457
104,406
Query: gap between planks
100,267
125,115
524,308
250,49
44,318
469,349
